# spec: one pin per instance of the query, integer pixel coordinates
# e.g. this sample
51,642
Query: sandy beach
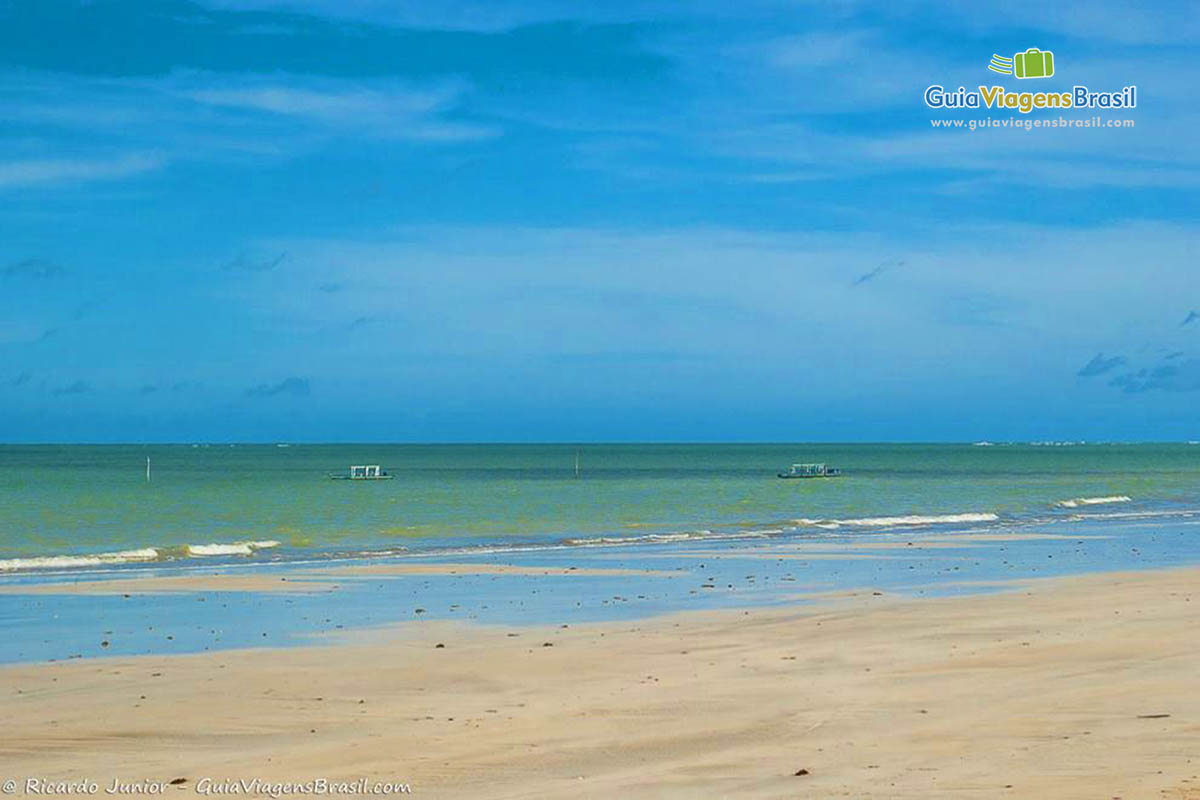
1071,687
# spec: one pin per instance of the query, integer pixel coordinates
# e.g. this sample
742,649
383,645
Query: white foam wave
650,537
1094,501
1133,515
89,560
234,549
906,520
664,538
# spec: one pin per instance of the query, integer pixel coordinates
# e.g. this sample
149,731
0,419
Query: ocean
80,506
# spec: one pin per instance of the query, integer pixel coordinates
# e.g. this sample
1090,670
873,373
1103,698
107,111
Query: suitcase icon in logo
1033,63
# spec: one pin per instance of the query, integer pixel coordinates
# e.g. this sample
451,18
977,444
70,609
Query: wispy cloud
624,357
1182,376
1100,365
387,111
291,387
51,171
32,268
875,273
244,263
1190,318
75,388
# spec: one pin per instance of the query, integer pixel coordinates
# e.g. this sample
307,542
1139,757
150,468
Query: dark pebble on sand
177,781
800,772
439,645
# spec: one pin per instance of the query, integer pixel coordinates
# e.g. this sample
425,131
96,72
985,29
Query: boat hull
787,477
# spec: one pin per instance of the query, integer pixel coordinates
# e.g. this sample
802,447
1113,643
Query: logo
1033,63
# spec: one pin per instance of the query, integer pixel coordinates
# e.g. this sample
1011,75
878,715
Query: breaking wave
905,521
1094,501
140,555
235,549
92,560
665,538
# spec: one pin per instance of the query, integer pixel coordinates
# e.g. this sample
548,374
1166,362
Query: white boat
810,471
363,472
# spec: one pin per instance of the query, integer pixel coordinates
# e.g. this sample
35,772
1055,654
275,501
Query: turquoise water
74,501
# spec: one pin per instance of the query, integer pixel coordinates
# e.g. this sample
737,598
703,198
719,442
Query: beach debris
1153,716
800,772
439,645
547,644
176,781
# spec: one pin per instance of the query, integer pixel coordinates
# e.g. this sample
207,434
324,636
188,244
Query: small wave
235,549
1135,515
907,520
596,541
89,560
1094,501
665,538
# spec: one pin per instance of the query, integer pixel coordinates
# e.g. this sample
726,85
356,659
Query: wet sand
313,580
1078,687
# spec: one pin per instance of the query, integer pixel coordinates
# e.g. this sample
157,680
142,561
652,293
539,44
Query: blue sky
631,220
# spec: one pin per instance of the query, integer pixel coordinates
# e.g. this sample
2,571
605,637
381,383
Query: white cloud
384,111
207,116
1006,289
40,171
334,103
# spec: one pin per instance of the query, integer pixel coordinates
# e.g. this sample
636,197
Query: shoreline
218,607
1056,687
152,555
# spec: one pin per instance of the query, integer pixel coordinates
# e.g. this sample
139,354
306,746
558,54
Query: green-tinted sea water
72,500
